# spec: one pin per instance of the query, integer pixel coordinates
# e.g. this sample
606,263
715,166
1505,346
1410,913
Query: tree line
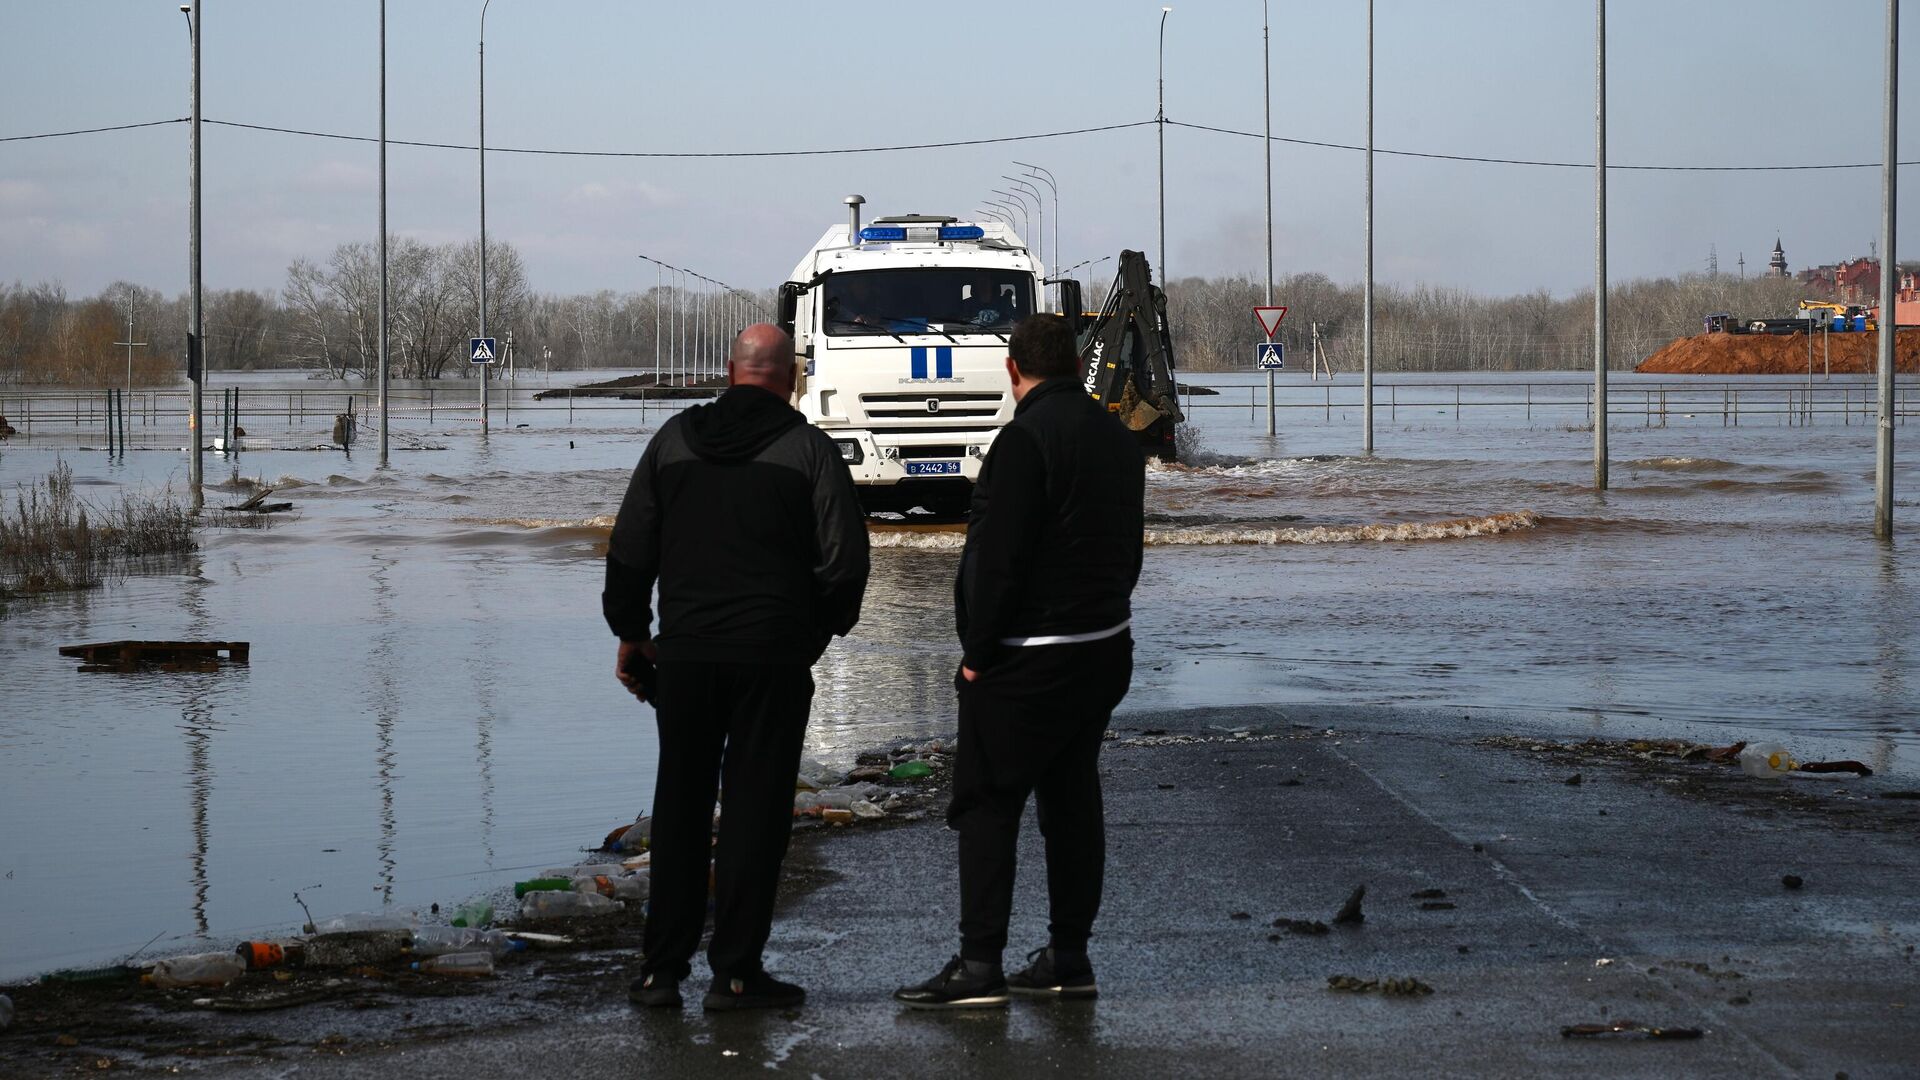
325,318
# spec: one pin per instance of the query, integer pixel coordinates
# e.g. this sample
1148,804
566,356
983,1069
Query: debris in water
1430,894
1573,781
166,655
1301,926
1627,1027
1350,913
1437,905
1855,767
1792,881
1404,986
1241,915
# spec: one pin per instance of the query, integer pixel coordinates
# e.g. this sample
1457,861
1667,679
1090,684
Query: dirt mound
1781,354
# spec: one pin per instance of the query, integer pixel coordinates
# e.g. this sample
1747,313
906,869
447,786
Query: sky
1703,82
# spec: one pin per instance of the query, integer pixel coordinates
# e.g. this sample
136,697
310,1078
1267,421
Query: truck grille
932,405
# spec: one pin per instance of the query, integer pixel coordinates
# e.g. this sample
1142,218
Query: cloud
621,194
339,177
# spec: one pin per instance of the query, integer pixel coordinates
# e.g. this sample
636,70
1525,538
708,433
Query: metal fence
270,415
1653,404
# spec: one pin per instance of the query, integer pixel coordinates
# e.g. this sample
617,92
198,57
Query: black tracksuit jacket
1054,538
748,519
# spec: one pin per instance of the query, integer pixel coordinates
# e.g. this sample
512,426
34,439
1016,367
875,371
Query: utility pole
1160,123
1366,317
1266,144
196,347
131,345
1889,277
483,212
383,234
1600,246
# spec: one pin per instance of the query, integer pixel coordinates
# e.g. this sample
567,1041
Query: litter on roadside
1630,1028
1402,986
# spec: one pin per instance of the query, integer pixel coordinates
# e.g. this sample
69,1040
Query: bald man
746,517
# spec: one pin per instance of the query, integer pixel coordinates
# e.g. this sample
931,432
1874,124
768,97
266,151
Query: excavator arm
1126,356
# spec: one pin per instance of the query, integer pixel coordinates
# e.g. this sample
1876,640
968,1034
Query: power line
1539,164
91,131
689,154
952,143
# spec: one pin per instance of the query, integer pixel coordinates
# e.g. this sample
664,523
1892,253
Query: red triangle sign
1269,318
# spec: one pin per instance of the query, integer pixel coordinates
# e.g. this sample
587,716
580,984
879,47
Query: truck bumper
883,459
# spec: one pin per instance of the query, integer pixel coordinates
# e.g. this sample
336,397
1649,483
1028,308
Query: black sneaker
962,984
757,991
1048,974
656,990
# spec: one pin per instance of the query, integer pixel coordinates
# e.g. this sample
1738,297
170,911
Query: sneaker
655,990
757,991
1048,974
962,984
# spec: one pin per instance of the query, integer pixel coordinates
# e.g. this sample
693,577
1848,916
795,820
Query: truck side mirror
790,294
1070,303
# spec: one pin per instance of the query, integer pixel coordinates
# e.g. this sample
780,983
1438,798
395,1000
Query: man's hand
629,650
968,673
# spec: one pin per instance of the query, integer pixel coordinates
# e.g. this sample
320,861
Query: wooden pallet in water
165,655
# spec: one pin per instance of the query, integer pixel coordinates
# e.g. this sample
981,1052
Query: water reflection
893,677
481,663
383,699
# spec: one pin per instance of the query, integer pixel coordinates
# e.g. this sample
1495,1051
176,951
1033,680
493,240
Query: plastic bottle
1766,759
475,912
444,940
585,870
197,969
565,905
472,965
364,920
617,886
557,883
910,770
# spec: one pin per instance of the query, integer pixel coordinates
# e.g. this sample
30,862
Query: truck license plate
933,468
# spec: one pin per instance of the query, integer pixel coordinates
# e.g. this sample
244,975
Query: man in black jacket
747,518
1042,600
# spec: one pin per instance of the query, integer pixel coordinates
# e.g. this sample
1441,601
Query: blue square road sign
1270,356
480,350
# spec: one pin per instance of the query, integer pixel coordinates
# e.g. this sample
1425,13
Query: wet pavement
1648,891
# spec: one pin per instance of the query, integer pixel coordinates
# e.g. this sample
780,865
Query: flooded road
430,713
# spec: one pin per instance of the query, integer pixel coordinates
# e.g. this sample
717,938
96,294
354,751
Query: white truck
900,329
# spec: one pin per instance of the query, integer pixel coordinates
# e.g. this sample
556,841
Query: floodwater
430,711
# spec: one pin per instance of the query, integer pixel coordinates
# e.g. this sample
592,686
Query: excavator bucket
1126,356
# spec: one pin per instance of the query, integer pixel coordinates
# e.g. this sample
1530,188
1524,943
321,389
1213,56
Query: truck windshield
926,300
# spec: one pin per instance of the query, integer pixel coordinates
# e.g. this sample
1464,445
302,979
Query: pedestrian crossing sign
480,350
1270,356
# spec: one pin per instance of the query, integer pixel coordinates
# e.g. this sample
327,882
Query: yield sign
1269,318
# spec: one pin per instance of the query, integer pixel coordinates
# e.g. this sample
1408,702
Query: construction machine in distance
1126,354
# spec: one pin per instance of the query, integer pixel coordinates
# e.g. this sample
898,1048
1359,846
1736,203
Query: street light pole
1039,205
1026,219
1053,248
1160,122
483,210
1266,145
1366,343
1600,247
1889,282
196,346
383,234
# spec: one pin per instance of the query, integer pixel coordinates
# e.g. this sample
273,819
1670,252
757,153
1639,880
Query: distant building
1777,263
1856,281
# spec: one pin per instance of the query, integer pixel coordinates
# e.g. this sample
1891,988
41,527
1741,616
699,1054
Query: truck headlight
850,451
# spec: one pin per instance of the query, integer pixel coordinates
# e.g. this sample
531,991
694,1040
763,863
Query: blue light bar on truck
883,232
962,232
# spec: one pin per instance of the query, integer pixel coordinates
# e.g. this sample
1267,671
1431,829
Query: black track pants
1033,724
739,726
